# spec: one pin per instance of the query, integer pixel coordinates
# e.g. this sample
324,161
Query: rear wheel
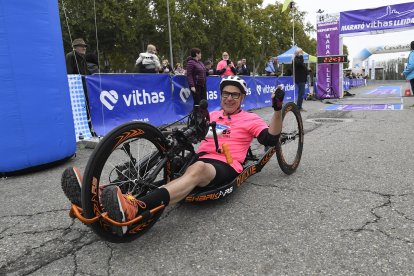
132,156
290,146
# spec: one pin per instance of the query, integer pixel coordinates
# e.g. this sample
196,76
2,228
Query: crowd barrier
349,83
161,99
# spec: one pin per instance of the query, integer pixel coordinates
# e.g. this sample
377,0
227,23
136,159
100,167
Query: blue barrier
349,83
161,99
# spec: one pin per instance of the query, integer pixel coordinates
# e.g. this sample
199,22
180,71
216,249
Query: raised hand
277,98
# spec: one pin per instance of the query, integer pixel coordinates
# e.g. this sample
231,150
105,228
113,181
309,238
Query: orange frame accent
75,212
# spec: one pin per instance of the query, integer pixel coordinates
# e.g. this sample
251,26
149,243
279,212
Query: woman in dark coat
196,76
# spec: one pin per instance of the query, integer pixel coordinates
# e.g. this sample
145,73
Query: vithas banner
382,18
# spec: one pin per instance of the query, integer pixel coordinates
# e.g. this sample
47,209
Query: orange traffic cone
407,92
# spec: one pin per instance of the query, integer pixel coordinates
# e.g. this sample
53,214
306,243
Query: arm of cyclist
270,136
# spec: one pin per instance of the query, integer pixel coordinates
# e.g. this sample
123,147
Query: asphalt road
348,210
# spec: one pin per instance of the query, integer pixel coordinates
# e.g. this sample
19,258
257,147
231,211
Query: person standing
271,68
239,68
148,62
92,63
75,60
179,70
409,69
196,76
166,67
244,68
209,67
225,67
300,75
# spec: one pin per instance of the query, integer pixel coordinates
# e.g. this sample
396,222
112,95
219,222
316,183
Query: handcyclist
235,127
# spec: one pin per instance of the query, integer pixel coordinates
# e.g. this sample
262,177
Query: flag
286,4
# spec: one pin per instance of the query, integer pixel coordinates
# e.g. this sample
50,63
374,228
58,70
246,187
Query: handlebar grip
189,132
226,152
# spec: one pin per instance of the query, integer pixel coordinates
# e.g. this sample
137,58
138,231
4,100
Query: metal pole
293,24
169,33
293,45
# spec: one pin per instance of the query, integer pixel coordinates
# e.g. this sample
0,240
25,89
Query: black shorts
224,172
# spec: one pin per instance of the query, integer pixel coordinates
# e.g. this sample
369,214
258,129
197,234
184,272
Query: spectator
166,67
225,67
148,62
271,67
178,70
301,74
196,76
239,68
92,63
209,68
75,60
245,70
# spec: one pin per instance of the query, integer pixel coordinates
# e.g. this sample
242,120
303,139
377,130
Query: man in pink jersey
234,126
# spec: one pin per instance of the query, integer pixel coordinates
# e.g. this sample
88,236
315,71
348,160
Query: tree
123,29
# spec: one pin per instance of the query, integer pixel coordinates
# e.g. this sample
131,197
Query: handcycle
139,157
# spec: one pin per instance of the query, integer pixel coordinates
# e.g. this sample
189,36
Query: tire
110,164
290,146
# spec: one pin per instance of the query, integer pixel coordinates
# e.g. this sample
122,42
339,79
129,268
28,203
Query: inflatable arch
365,53
35,111
331,28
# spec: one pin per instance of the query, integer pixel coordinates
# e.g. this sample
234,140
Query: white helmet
234,80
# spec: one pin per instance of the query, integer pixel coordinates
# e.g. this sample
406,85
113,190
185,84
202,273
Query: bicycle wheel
132,156
290,146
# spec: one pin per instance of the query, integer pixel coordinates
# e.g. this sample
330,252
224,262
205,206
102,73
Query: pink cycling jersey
223,64
237,131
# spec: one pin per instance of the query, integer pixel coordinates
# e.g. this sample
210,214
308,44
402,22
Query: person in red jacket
196,76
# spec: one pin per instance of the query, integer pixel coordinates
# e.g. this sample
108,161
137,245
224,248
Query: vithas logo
185,94
109,98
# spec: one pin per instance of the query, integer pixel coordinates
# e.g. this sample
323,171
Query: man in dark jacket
244,68
301,74
75,60
196,76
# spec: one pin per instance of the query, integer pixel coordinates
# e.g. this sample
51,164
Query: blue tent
287,56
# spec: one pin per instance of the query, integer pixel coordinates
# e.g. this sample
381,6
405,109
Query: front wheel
290,146
132,157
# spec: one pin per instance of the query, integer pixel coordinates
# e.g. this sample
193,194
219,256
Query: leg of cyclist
121,207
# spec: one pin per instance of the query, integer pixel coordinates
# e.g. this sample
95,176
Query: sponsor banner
256,87
118,98
213,92
357,82
328,45
376,19
291,93
262,89
385,90
364,107
160,99
181,96
347,84
77,99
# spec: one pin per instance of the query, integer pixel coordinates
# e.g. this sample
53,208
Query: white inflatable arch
365,53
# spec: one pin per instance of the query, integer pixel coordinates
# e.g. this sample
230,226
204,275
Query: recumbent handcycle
139,157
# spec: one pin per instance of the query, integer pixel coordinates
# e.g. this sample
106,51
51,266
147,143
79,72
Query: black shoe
71,182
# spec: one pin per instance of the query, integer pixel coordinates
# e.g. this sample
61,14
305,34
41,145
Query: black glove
277,100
